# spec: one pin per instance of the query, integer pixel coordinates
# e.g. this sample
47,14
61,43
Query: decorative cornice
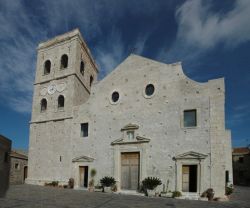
190,155
55,119
83,158
130,127
137,140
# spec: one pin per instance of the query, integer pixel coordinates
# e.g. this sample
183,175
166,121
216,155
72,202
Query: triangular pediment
191,155
138,139
83,158
130,126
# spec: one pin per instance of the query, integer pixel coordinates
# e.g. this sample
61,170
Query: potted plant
71,183
149,184
209,193
91,187
107,183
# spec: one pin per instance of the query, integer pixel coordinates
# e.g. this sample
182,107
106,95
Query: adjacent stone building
19,167
241,166
5,148
144,119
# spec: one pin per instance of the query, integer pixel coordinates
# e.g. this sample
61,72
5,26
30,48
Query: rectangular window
190,118
84,129
241,159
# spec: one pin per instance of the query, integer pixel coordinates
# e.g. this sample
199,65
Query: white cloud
199,27
22,28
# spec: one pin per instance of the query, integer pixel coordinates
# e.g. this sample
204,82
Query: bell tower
64,75
65,72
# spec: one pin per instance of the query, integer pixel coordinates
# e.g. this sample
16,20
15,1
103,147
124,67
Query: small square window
131,135
17,166
84,129
190,118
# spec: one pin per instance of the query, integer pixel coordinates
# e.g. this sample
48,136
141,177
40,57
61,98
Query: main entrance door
83,176
130,170
189,178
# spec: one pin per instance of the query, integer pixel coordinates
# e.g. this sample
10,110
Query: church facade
143,119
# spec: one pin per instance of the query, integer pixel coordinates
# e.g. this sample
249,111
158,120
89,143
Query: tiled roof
18,155
241,150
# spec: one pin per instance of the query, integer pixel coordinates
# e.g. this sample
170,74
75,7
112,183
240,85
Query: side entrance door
83,176
130,166
189,178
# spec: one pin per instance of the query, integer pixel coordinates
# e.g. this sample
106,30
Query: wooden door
185,178
130,170
81,176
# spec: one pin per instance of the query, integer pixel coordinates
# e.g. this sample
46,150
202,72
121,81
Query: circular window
115,96
149,90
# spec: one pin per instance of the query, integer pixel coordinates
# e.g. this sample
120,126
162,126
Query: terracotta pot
91,189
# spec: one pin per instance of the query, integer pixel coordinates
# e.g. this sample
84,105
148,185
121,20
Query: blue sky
211,38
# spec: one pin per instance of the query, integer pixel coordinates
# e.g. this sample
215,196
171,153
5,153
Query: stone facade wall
159,118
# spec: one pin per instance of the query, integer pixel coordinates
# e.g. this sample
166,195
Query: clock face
51,89
60,87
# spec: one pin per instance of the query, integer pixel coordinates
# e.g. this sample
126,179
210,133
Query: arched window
43,105
82,67
60,101
91,79
64,61
47,66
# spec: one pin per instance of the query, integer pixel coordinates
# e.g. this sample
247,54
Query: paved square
29,196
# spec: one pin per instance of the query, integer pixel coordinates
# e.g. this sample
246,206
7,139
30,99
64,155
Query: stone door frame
190,158
77,163
118,150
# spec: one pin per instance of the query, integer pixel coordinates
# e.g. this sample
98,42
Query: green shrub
151,183
229,190
176,194
107,181
54,183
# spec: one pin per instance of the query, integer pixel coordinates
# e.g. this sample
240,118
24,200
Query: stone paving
28,196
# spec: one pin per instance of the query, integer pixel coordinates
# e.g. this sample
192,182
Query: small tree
92,181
